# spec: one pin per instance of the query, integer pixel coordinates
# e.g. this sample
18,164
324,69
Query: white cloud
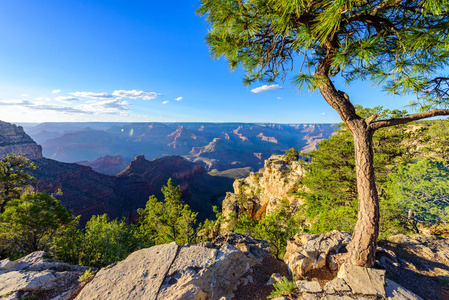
278,98
266,88
67,99
55,91
323,114
179,99
92,95
135,94
110,107
164,102
43,98
25,95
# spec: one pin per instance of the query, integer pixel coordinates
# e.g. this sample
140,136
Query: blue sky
136,61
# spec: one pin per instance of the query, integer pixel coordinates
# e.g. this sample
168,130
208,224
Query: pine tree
14,177
400,44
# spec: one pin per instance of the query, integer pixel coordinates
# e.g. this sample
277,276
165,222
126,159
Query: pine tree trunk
362,248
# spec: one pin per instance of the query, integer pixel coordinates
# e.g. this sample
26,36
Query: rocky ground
235,266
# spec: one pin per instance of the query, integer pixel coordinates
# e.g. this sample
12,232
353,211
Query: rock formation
263,191
232,267
311,258
35,275
311,251
14,140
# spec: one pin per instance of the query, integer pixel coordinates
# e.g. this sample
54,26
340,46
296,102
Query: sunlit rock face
263,191
14,140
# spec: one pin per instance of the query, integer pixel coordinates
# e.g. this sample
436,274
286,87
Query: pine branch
414,117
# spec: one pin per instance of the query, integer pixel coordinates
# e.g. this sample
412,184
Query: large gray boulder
196,272
35,274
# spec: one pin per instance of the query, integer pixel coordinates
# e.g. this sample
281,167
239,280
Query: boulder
365,281
396,292
196,272
139,276
35,274
309,251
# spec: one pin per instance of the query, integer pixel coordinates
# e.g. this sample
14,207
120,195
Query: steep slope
201,191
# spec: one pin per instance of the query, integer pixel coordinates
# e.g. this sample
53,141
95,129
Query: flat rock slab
308,286
25,281
365,281
137,277
396,292
336,285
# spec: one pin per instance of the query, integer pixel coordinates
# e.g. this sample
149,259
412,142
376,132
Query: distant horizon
162,122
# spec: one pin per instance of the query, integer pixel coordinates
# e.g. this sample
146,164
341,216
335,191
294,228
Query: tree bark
362,248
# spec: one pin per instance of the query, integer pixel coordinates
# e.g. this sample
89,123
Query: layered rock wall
14,140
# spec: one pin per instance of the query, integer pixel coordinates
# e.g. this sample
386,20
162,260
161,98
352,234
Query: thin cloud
323,114
279,98
25,95
164,102
20,102
266,88
56,91
43,106
43,98
179,99
67,99
92,95
135,94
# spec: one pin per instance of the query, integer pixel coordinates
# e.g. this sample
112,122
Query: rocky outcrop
263,191
311,251
312,258
197,272
36,275
14,140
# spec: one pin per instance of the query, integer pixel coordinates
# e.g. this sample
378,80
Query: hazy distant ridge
215,145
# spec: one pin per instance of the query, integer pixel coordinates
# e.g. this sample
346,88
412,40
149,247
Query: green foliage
292,154
86,275
31,223
283,288
168,221
101,243
385,42
209,229
14,177
421,191
274,228
331,200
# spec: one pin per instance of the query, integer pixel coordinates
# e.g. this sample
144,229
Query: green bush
421,191
274,228
283,288
168,221
31,223
101,243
